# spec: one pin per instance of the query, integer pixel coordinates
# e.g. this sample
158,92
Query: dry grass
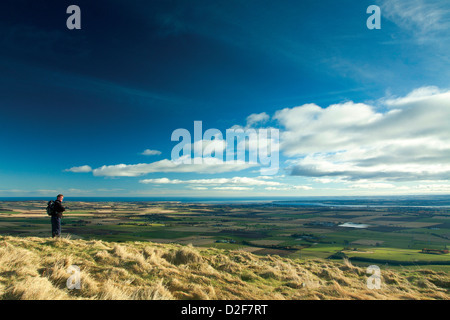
37,268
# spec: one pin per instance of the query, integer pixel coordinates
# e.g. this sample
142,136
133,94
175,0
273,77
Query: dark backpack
51,208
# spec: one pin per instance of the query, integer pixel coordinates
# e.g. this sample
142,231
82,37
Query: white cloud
328,180
289,188
367,146
82,191
302,187
149,152
422,17
207,147
410,141
311,129
433,188
81,169
370,185
256,118
235,183
185,164
230,184
161,181
199,188
233,188
240,181
416,96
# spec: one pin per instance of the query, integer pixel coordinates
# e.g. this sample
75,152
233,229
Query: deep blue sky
138,70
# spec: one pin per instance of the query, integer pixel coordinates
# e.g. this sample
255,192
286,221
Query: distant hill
37,268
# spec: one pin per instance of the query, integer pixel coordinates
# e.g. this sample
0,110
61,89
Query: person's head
60,197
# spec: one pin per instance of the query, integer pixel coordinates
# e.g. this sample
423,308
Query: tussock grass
37,268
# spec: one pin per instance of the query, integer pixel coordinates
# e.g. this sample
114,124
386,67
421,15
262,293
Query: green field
401,255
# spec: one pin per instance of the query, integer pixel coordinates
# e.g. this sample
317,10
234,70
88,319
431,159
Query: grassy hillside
37,268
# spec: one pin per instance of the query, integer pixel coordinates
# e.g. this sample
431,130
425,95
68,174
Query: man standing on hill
58,210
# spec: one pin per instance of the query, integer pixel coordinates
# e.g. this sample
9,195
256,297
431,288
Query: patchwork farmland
389,236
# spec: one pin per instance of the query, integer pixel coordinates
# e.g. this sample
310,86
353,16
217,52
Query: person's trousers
56,226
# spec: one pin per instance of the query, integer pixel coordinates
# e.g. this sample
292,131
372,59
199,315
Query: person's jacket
58,208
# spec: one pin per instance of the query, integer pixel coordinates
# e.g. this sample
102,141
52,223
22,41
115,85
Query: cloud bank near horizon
371,145
408,141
